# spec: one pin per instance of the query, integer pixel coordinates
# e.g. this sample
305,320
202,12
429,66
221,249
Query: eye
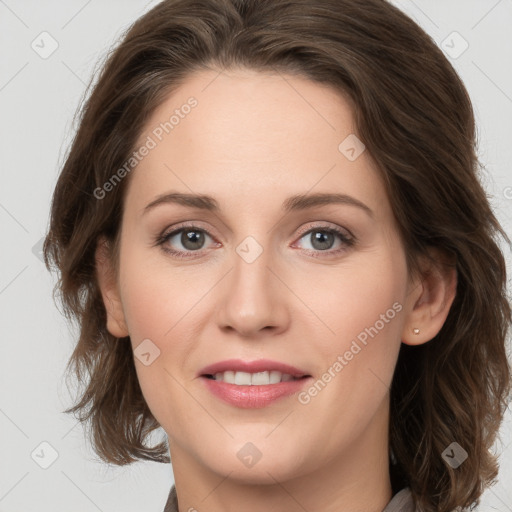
184,241
322,239
187,239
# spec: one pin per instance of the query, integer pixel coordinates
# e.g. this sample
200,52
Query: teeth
253,379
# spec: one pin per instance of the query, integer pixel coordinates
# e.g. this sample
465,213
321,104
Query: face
318,285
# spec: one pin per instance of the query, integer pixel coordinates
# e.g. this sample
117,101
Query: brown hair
414,116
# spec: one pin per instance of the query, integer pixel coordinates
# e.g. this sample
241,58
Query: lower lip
253,397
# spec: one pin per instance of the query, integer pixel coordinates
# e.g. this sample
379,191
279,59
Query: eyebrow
293,203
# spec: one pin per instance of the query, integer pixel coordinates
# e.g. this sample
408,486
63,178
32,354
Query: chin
251,464
262,473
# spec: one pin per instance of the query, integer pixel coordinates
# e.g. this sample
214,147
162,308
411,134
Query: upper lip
260,365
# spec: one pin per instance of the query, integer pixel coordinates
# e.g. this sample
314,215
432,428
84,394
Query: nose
253,299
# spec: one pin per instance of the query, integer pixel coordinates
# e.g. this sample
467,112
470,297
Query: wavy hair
414,115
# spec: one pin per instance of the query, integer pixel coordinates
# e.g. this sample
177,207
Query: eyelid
186,224
302,231
326,225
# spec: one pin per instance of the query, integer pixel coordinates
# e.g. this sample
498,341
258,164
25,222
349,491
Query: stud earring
416,330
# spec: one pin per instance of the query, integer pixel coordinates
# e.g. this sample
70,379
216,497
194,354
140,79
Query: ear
105,273
430,298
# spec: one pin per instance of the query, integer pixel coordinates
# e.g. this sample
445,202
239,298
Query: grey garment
172,501
401,502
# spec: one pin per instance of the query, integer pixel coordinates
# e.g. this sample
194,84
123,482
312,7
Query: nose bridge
251,262
252,300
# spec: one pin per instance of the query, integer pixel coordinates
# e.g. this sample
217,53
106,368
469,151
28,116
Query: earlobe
432,299
116,324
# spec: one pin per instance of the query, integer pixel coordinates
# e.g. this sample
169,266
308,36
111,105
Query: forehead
258,135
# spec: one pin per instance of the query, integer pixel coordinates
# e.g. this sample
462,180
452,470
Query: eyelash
348,241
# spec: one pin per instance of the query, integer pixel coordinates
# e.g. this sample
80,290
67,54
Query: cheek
153,311
155,296
359,302
162,304
363,320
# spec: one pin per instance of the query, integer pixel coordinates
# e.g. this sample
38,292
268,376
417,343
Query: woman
271,230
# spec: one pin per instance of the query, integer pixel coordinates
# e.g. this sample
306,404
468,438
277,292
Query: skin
253,140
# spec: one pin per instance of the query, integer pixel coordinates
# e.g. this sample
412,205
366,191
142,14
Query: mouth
264,378
252,384
261,372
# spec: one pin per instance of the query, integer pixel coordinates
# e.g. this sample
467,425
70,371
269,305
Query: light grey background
38,98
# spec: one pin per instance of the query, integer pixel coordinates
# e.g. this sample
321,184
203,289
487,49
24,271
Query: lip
253,397
260,365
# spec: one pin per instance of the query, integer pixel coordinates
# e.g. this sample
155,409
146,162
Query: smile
252,379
